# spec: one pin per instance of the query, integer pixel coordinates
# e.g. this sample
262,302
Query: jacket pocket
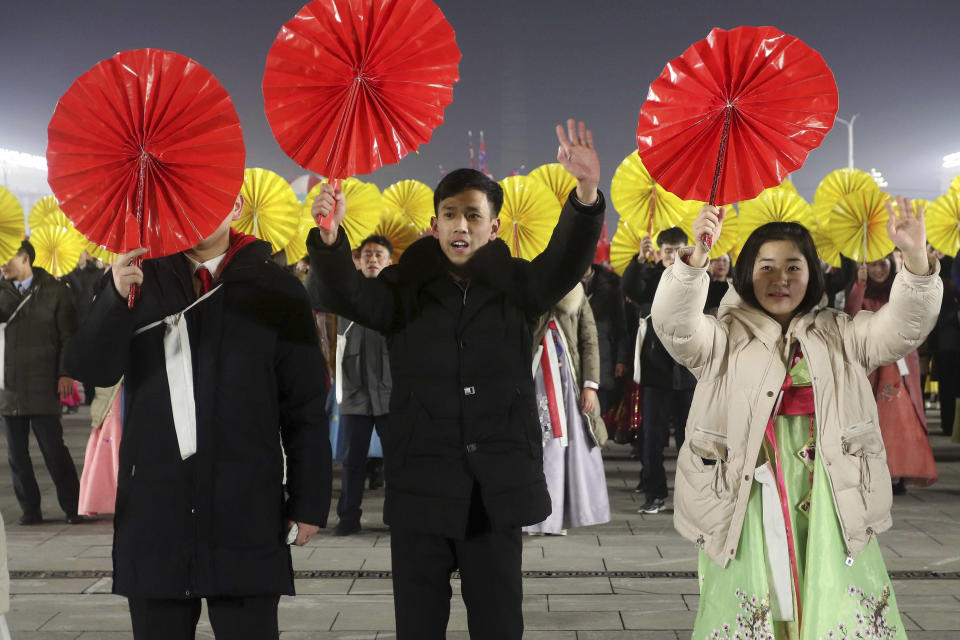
703,496
862,445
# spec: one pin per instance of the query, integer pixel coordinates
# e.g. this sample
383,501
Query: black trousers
253,617
49,434
358,430
491,581
661,407
948,376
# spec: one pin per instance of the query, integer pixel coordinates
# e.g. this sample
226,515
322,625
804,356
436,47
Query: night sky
527,65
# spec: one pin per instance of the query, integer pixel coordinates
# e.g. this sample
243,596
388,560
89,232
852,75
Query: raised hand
646,249
329,202
125,273
908,233
577,155
709,221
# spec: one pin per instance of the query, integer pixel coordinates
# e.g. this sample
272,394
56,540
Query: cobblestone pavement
630,578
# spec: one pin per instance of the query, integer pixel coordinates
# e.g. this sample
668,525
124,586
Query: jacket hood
570,304
757,322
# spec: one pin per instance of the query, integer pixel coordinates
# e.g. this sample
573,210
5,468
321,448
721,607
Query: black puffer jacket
463,405
213,524
606,303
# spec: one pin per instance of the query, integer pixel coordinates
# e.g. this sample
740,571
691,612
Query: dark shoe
28,519
75,519
652,506
899,488
641,487
346,528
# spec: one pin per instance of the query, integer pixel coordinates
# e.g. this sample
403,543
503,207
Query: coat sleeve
588,345
66,324
98,351
8,299
553,273
693,338
335,285
304,425
640,281
854,303
900,326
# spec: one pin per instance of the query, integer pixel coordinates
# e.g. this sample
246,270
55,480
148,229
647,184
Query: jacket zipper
715,434
816,415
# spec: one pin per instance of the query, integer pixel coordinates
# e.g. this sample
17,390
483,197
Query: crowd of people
481,389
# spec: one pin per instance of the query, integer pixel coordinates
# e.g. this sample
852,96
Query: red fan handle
141,180
327,221
706,239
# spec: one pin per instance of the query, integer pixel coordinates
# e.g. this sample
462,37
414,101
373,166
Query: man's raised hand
577,155
125,273
329,202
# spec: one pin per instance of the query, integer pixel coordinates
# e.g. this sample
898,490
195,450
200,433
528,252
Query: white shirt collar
212,264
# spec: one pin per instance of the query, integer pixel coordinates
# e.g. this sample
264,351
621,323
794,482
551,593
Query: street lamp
849,124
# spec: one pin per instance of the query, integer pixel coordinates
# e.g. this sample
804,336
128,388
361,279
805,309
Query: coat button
471,447
187,593
193,510
469,391
769,394
746,478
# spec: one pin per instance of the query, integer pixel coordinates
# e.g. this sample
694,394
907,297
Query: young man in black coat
463,456
205,514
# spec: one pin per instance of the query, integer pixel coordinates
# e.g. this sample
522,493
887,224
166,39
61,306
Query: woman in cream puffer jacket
740,360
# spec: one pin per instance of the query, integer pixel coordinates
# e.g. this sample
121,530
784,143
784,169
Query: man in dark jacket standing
364,390
221,365
667,386
84,281
39,318
463,454
602,287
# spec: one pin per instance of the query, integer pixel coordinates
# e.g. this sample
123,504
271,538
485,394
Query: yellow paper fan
529,214
858,224
955,185
625,244
560,181
643,202
99,253
826,247
46,212
837,184
943,224
786,184
774,205
399,230
11,225
296,249
58,249
413,199
364,207
271,210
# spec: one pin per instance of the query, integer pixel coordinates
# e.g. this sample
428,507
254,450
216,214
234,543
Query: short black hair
383,241
673,235
772,232
27,249
461,180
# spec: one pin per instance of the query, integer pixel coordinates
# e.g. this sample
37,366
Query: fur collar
570,304
424,261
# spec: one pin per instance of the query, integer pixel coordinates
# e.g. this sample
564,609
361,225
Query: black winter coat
35,343
657,366
215,523
463,409
606,303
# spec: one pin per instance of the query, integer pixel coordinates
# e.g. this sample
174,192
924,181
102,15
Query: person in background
666,387
365,392
39,319
896,386
566,361
101,462
719,270
944,344
602,287
83,282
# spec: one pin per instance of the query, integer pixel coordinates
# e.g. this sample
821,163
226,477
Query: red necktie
206,280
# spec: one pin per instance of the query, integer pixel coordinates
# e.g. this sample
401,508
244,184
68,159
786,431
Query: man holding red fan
463,454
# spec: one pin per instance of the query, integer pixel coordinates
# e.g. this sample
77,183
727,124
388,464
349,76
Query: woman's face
878,270
780,278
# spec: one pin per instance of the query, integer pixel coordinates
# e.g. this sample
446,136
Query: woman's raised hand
709,221
908,233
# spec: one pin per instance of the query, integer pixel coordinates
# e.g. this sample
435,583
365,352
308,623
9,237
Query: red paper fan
145,149
352,85
750,103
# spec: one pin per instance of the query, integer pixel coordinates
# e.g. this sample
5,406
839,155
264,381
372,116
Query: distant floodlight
19,159
878,178
951,160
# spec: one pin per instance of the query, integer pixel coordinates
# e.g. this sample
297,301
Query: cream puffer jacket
739,361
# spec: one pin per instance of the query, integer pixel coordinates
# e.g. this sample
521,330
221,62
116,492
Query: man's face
16,267
373,258
464,223
668,253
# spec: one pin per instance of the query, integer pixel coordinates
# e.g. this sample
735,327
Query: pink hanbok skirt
98,483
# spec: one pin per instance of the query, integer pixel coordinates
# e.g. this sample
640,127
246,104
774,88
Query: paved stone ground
631,578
